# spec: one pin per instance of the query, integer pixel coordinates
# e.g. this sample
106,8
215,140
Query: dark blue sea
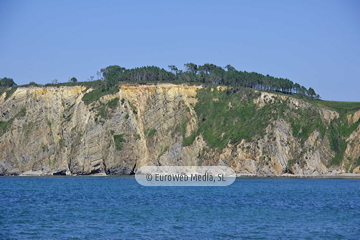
120,208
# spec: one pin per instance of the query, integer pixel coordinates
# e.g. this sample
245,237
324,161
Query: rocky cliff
50,130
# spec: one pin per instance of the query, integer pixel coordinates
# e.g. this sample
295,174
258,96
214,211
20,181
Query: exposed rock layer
59,134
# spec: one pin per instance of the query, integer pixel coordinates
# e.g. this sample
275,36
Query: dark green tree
112,74
7,82
311,92
191,67
73,80
230,68
173,68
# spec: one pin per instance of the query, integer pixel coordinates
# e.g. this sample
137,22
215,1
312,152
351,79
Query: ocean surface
120,208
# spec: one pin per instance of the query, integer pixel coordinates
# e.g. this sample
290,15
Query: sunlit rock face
51,131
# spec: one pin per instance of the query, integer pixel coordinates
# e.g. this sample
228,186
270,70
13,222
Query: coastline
339,176
324,176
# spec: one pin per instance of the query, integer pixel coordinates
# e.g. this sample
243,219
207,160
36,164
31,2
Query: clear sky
315,43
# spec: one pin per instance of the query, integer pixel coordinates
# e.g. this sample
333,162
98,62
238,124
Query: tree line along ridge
208,73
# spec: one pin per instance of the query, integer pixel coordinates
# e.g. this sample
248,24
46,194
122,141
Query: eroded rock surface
52,131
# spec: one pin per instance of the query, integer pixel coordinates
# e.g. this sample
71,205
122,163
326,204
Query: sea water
120,208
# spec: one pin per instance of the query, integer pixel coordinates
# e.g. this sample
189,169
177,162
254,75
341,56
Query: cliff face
52,131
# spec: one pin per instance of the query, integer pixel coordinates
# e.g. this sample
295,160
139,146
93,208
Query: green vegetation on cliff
4,125
97,93
231,115
118,139
339,129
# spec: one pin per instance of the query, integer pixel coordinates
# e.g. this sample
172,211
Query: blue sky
314,43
